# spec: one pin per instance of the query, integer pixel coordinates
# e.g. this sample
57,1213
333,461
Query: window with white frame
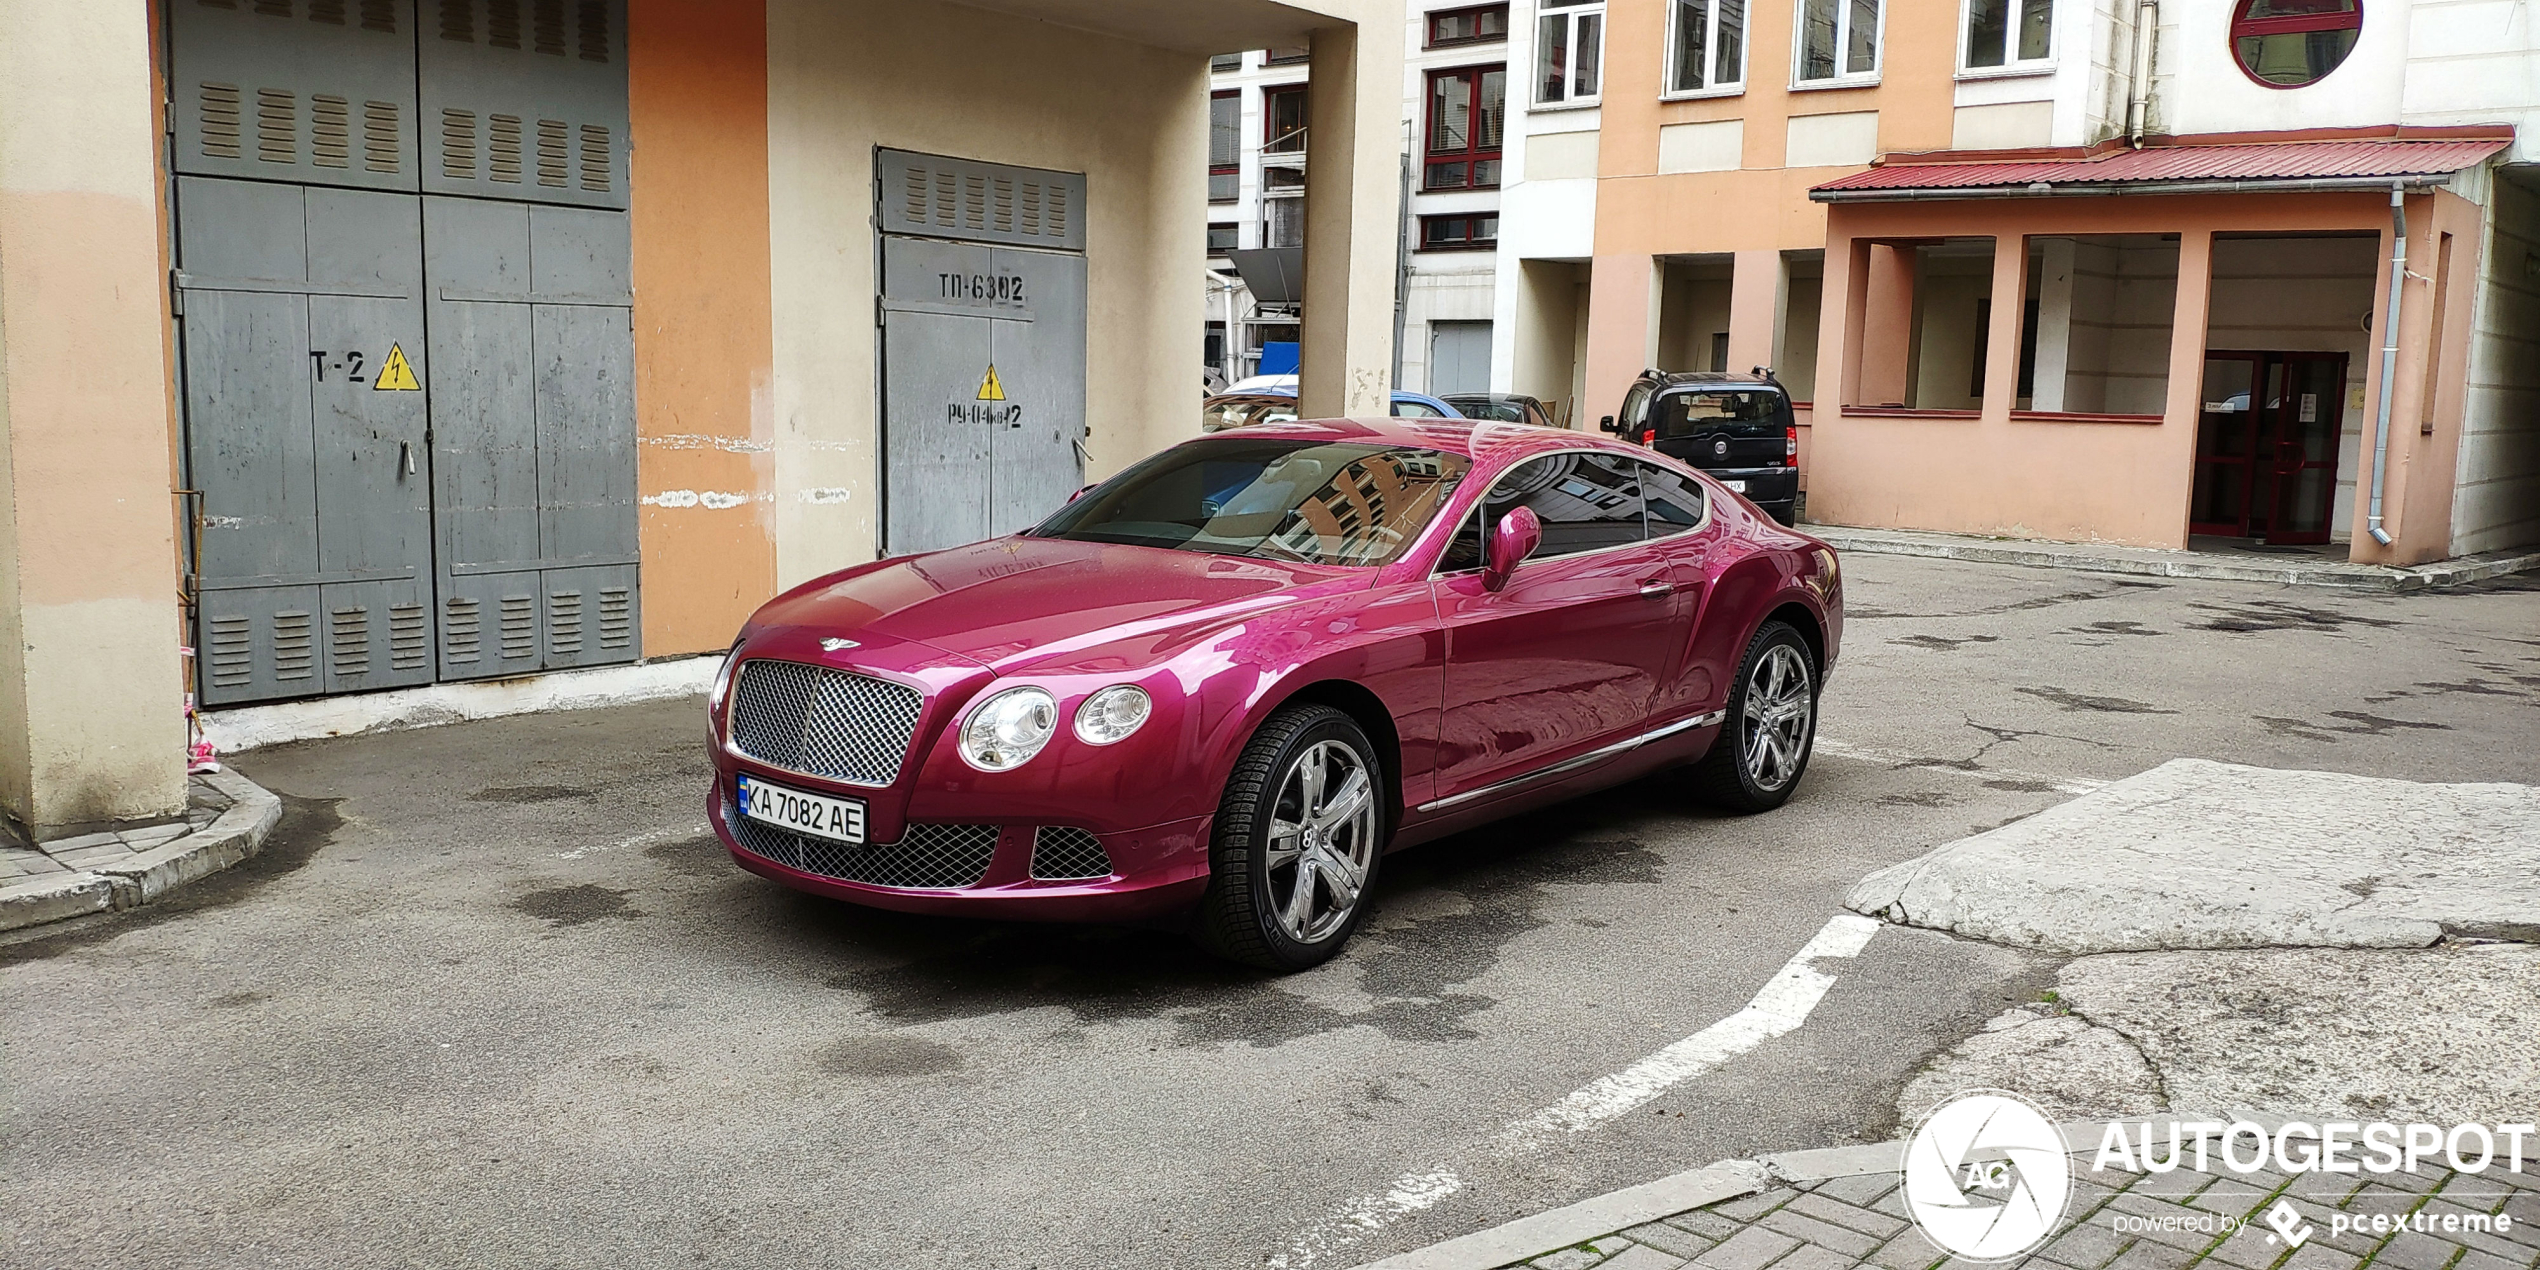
2002,34
1838,40
1569,52
1706,45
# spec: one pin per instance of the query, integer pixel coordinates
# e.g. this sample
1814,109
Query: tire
1262,847
1771,729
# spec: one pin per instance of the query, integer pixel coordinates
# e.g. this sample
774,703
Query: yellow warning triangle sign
989,388
398,375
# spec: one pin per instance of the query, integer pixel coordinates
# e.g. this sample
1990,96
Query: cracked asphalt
493,996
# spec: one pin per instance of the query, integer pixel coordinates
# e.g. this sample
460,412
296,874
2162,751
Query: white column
2054,321
1353,209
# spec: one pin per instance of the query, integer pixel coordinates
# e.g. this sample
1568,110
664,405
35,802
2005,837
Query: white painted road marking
1785,1002
1899,758
640,840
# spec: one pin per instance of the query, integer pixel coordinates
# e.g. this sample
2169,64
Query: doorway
2266,446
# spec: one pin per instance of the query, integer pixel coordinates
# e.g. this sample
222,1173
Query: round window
2289,43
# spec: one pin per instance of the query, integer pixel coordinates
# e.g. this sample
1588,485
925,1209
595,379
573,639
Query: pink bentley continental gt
1221,685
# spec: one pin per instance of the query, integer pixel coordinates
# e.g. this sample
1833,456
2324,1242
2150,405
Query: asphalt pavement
493,995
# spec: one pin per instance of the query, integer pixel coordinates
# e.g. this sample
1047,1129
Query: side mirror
1081,493
1511,541
1608,424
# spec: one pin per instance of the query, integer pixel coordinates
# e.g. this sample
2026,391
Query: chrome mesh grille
1068,854
823,722
927,856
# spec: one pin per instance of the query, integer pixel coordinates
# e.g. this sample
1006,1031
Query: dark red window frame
1476,12
1456,169
1270,133
1234,169
2327,18
1462,236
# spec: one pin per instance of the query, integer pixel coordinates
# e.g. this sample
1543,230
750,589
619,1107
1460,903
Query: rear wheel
1764,744
1298,836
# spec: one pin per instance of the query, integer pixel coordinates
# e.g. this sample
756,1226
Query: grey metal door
983,347
1459,357
533,436
302,324
323,285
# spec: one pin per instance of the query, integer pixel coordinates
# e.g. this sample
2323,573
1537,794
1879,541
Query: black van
1738,428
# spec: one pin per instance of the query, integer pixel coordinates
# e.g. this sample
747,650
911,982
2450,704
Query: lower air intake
1068,854
928,857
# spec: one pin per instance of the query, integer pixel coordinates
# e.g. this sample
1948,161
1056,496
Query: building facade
2060,268
370,346
1454,112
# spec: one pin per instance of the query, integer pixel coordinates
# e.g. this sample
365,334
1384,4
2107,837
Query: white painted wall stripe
1785,1001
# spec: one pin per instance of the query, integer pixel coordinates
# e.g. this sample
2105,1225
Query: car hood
1013,601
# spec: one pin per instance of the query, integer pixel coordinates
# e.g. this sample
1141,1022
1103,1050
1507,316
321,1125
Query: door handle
406,456
1654,590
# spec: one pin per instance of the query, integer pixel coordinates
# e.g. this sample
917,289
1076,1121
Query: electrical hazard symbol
989,388
398,374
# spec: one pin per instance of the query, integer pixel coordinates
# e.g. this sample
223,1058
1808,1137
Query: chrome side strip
1577,761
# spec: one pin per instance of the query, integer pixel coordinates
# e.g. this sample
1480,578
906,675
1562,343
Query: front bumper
983,868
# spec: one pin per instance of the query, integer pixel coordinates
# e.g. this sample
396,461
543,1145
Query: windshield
1490,408
1686,413
1243,412
1321,502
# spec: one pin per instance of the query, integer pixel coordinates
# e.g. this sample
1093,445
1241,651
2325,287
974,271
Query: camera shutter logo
1986,1176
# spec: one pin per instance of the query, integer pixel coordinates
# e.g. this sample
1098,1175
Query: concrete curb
241,728
1585,1220
2151,562
235,835
1616,1211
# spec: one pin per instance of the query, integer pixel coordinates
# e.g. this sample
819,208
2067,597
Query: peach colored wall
90,682
697,100
1761,209
2090,481
2422,464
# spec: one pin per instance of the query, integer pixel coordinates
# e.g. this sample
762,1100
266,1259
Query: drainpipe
1402,262
2389,357
2147,21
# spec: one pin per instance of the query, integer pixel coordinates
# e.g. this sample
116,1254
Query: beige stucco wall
90,683
845,76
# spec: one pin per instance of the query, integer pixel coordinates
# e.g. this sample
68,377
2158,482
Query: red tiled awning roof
2154,169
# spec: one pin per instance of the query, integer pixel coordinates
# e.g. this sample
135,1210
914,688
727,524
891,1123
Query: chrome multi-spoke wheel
1780,704
1772,724
1297,840
1322,838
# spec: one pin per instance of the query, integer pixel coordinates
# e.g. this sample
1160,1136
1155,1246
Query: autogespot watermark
1988,1176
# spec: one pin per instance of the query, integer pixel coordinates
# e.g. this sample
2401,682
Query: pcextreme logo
1986,1176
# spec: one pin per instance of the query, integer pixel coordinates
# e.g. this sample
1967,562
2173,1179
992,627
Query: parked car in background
1220,686
1278,405
1738,428
1506,407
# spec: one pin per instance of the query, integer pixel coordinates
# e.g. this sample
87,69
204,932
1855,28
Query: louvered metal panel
938,196
316,511
534,436
316,92
525,99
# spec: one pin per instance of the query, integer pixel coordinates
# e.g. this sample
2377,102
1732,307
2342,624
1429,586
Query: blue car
1274,403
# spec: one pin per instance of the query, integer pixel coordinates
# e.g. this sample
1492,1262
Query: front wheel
1296,843
1771,728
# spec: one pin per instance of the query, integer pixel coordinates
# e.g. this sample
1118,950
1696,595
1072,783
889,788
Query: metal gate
983,347
404,302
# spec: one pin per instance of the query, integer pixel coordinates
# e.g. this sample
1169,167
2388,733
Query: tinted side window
1635,408
1674,500
1464,550
1585,501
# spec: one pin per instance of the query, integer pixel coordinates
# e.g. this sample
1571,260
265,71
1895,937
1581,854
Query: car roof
1480,439
1486,396
1710,379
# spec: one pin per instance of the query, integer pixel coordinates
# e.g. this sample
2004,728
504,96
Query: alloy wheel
1774,723
1322,840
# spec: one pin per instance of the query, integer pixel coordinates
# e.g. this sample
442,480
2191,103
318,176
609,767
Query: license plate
1735,487
812,815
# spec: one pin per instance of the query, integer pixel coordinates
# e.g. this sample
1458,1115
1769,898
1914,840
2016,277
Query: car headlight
1112,714
1006,730
723,678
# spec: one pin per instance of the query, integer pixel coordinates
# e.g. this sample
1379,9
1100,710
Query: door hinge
176,296
878,311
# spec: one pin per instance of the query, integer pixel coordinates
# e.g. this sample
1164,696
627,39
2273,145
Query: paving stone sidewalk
2116,1221
226,819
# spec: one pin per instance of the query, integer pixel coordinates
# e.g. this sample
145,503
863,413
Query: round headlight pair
1006,730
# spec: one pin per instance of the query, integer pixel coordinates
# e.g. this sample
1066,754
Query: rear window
1404,409
1243,412
1501,411
1684,414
